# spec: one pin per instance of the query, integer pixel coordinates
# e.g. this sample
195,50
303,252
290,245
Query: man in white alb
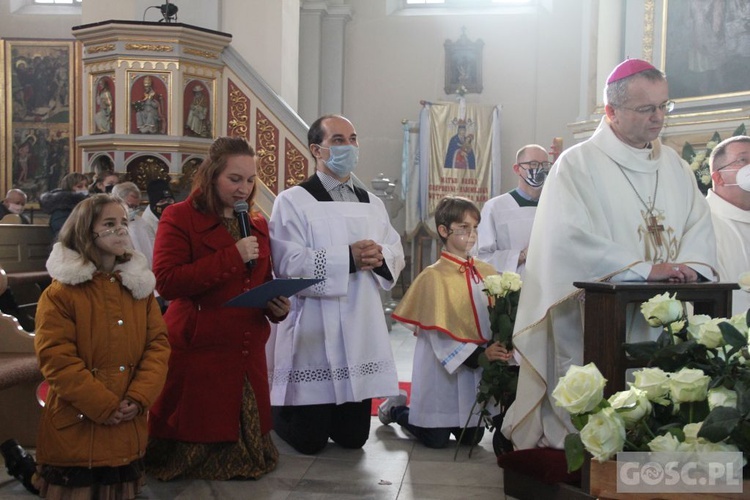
620,207
332,354
729,200
505,228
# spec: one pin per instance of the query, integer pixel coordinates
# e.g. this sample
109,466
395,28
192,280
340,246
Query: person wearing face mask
729,200
14,203
159,197
619,206
507,219
59,203
104,182
140,235
332,356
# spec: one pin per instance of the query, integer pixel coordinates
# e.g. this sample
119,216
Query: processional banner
460,153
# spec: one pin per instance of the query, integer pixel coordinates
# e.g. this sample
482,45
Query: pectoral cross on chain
655,228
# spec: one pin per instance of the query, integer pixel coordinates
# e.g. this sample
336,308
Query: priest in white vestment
505,228
332,354
729,200
619,206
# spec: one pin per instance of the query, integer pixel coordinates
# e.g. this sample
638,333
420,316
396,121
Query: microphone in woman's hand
240,211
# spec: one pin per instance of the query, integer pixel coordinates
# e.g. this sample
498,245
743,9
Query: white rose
604,434
511,282
691,432
695,165
705,179
662,309
667,442
709,333
710,145
739,321
632,405
700,157
493,285
677,326
721,396
654,381
695,322
580,390
688,385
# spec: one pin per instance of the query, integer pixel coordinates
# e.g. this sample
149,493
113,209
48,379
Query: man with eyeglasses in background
505,228
729,200
617,207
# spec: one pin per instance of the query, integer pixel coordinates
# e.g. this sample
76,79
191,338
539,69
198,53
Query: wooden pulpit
604,331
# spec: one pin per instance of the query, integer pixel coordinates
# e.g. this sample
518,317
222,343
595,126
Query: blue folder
261,294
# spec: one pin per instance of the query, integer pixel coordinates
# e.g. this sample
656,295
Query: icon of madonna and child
460,153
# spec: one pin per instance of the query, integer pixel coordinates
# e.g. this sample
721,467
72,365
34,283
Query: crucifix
655,229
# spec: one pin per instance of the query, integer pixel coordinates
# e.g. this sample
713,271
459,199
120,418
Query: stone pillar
322,25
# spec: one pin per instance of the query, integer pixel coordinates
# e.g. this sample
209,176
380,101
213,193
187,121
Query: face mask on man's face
742,178
535,177
343,159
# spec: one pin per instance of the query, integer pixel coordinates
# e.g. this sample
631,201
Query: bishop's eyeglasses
666,107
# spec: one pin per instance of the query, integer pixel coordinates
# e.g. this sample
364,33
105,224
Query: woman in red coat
213,418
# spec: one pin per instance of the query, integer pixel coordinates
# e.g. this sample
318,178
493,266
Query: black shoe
20,464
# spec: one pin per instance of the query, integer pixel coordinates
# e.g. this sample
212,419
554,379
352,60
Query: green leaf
731,335
574,451
641,351
579,421
741,130
719,424
688,152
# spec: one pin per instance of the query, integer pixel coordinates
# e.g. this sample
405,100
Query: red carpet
404,386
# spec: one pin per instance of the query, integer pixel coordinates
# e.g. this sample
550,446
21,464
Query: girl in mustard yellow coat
102,346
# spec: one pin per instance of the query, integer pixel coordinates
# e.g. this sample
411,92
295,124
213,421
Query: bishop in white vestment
618,206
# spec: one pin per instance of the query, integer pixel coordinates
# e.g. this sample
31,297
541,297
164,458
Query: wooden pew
19,378
24,249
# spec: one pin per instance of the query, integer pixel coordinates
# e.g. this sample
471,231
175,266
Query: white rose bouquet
694,395
499,380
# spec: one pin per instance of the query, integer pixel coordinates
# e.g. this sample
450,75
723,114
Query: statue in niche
197,122
103,119
149,111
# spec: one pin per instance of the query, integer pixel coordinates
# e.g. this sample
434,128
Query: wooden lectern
604,330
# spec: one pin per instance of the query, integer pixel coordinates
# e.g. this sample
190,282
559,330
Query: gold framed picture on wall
463,65
39,109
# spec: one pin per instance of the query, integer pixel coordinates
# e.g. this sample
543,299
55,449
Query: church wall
14,25
531,66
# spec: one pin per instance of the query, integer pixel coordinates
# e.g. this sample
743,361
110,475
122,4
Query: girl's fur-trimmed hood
68,267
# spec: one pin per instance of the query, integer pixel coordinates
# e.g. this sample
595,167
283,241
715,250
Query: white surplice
334,346
732,228
591,226
504,231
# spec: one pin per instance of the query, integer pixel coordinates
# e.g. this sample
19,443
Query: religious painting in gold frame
705,49
463,65
39,114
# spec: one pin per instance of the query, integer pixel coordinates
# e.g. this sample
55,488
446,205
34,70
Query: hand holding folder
261,294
